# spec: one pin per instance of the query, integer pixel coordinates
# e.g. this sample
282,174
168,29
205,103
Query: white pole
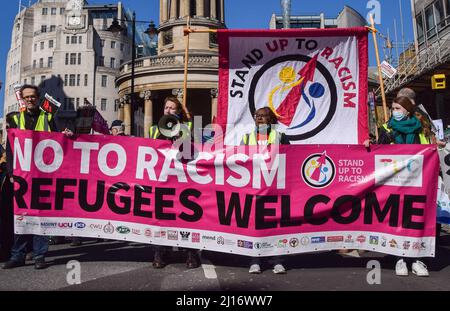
401,23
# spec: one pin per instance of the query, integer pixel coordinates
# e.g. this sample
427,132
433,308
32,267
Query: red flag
99,124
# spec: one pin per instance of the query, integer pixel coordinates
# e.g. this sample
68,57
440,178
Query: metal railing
426,59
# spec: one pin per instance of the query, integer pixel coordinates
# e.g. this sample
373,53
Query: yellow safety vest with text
42,124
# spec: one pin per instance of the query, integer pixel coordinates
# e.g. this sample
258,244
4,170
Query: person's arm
284,140
384,138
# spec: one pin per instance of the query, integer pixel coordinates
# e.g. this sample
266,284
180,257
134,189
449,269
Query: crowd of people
409,124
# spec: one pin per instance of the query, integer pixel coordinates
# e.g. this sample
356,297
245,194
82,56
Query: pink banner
256,202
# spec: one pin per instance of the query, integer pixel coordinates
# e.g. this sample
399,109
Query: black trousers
6,219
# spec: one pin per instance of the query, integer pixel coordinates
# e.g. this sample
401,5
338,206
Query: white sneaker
255,269
400,268
279,269
420,269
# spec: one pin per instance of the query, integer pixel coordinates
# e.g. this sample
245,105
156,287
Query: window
62,11
41,63
53,11
113,44
78,79
122,46
25,81
116,105
78,102
121,62
420,30
52,28
34,64
74,39
440,14
79,58
72,80
67,40
43,81
429,21
50,44
167,37
102,43
44,28
101,61
44,11
35,47
50,62
86,80
66,80
67,58
73,58
33,81
113,62
59,80
104,80
80,39
42,45
103,105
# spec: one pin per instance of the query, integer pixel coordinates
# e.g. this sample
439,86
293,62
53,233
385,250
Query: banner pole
380,76
187,32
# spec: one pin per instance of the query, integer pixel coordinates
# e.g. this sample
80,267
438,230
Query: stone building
157,77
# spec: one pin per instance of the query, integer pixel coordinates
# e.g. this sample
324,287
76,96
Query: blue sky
252,14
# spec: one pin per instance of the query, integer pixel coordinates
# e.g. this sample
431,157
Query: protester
405,128
117,128
172,106
265,134
33,118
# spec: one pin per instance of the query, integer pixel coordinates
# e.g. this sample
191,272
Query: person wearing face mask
406,127
172,106
265,134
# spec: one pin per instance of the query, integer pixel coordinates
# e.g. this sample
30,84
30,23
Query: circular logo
220,240
304,241
304,97
258,245
293,242
109,229
318,171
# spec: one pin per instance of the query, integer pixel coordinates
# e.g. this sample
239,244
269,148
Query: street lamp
151,32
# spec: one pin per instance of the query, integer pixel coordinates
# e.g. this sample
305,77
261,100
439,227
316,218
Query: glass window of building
66,79
34,64
78,79
101,61
33,81
440,14
113,62
41,63
35,47
167,37
122,46
86,80
429,21
52,28
420,30
74,40
44,28
53,11
72,80
44,11
43,81
73,58
50,44
67,40
104,80
102,43
103,104
67,58
113,44
50,62
80,39
42,45
62,11
79,58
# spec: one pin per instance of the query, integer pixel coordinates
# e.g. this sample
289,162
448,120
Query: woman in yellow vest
406,127
172,106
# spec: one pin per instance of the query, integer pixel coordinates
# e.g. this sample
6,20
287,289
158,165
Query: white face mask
398,115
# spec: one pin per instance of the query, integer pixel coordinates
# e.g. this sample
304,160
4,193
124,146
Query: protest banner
315,81
256,201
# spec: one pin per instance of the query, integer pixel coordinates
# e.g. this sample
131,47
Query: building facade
64,48
157,77
348,17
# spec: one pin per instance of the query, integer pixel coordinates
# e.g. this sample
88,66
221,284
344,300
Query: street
117,265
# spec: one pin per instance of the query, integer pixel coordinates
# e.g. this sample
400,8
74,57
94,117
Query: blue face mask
398,115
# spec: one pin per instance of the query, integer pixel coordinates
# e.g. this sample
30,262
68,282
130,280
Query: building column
127,114
213,9
200,8
222,11
187,7
161,11
148,112
173,9
214,95
164,15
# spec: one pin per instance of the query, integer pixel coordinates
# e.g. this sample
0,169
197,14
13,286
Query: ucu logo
65,225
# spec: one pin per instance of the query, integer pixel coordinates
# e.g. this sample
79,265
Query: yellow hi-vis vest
154,130
41,124
423,139
251,140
